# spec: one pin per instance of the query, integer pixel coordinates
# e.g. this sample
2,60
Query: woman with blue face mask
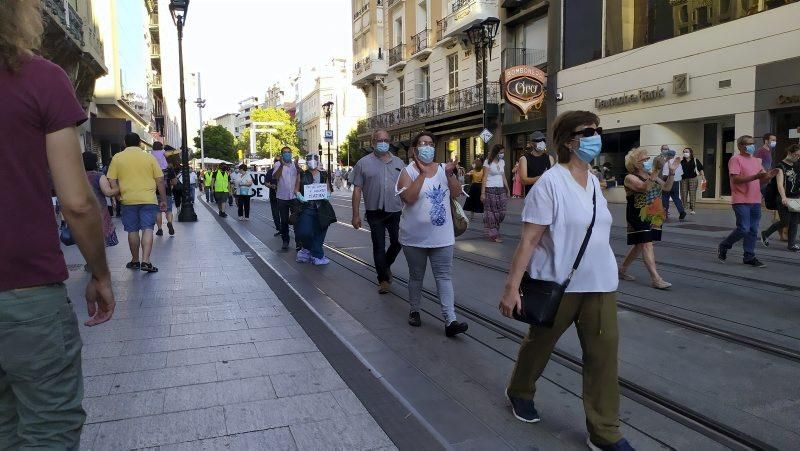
316,212
426,228
645,211
562,206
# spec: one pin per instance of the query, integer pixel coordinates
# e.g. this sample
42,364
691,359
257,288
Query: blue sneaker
303,256
621,445
523,409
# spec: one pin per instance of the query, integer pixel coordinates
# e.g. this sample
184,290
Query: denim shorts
139,217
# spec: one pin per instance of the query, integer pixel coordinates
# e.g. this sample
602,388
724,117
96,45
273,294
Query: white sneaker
691,212
241,218
320,261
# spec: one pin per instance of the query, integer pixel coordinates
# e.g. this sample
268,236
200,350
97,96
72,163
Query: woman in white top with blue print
557,213
426,227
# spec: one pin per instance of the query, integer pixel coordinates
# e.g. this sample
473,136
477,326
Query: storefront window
583,31
635,23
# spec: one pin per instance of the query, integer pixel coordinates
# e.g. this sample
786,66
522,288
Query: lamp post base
187,213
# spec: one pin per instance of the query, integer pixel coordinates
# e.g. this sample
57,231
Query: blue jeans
674,193
311,234
748,217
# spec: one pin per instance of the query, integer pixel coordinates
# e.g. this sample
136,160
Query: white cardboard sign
315,191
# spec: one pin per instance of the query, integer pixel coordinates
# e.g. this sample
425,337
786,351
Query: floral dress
644,214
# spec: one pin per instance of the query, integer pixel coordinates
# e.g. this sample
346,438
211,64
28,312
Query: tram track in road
697,421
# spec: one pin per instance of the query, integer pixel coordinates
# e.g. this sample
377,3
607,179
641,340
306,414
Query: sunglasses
312,157
588,132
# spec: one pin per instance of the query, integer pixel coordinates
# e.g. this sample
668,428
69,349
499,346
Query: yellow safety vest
207,179
221,182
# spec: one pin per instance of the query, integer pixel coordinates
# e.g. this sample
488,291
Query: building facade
243,120
418,71
687,73
330,85
227,120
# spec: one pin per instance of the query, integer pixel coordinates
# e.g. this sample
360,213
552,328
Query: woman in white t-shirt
426,228
494,192
557,213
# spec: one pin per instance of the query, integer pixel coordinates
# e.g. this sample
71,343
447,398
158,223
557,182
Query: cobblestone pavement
203,355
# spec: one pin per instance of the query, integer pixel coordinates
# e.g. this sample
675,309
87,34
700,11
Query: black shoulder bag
541,298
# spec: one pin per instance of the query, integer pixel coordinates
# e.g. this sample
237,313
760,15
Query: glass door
729,144
709,159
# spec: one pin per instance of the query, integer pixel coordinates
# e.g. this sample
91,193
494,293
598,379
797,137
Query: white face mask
541,146
312,164
686,155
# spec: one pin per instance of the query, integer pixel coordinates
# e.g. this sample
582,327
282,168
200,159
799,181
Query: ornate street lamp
179,9
326,107
482,36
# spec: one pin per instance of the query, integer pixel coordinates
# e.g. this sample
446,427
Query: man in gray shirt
375,175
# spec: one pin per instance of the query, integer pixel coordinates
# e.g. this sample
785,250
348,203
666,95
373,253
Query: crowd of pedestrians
566,220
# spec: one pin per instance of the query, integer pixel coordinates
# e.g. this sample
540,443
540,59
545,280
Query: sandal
625,276
133,265
148,267
661,284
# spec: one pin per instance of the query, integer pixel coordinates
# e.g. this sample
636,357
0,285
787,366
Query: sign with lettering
315,191
785,100
643,95
259,188
524,87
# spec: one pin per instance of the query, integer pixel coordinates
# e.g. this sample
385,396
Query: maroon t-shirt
36,100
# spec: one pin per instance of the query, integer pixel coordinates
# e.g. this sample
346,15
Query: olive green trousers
595,318
41,385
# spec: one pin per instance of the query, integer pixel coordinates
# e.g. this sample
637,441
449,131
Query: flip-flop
148,267
133,265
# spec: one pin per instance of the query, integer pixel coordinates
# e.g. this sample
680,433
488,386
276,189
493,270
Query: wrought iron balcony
392,3
74,24
370,67
396,54
465,13
461,100
441,29
421,41
523,57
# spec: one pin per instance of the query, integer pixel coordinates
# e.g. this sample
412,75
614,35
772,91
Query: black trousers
788,219
285,208
276,216
243,201
381,223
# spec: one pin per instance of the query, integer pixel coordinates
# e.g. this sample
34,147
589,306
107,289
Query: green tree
352,145
218,143
268,144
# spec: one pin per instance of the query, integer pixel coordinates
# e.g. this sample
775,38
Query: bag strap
588,234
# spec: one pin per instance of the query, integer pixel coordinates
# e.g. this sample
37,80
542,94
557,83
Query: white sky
241,47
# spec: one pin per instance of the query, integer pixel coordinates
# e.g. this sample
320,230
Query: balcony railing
74,24
391,3
155,51
396,54
421,41
462,99
155,82
523,57
361,11
456,5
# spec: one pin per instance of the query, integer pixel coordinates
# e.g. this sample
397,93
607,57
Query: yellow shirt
136,171
477,176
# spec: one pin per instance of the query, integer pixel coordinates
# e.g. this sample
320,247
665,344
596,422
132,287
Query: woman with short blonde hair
645,212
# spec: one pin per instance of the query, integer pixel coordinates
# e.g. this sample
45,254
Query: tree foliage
218,143
270,144
351,145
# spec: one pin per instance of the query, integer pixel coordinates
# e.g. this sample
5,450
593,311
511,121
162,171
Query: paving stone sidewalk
203,355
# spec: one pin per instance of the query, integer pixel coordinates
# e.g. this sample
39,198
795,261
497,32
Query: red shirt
37,100
745,193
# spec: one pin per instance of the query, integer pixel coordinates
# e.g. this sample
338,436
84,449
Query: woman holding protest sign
313,191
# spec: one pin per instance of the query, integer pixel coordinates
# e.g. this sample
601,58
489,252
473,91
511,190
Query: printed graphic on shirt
438,212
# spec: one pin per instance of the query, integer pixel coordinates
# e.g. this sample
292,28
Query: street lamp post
482,36
179,9
326,107
201,103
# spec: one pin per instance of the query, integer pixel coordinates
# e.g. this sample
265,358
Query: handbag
541,298
65,235
793,205
460,220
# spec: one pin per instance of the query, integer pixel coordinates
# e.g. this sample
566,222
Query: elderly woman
315,214
645,213
426,228
557,213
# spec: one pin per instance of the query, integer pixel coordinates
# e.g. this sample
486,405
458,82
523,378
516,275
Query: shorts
170,202
139,217
221,198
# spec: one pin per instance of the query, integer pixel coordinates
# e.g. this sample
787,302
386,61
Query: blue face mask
648,165
750,148
426,153
382,147
589,148
287,157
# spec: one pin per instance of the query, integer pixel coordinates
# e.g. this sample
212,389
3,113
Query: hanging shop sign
524,86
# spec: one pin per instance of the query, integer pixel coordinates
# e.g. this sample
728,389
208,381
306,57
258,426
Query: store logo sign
785,100
524,87
643,95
